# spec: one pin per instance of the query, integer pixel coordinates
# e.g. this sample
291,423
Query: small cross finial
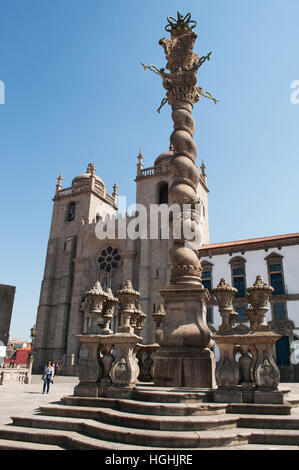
115,186
115,191
139,164
203,169
91,168
59,182
140,154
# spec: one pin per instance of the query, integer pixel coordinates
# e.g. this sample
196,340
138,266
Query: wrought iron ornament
180,26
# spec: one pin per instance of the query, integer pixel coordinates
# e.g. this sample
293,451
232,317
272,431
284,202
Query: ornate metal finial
182,63
180,22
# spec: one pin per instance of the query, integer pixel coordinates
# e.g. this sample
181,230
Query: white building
276,259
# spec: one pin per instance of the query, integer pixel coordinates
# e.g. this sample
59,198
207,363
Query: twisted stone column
184,358
182,93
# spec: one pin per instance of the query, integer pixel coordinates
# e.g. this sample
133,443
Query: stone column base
86,390
228,395
182,367
273,397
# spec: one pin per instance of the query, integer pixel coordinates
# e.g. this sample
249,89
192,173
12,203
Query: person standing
56,368
48,376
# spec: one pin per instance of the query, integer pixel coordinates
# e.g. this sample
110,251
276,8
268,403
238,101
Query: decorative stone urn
251,315
108,311
158,318
258,295
225,294
127,299
93,306
138,320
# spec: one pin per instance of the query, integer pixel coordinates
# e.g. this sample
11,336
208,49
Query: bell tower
74,207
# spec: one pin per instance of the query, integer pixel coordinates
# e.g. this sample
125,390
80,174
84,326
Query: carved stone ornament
225,294
266,372
140,319
159,316
108,311
125,369
258,295
127,299
227,371
93,305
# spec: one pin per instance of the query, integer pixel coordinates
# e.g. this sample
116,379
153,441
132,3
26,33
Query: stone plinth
184,358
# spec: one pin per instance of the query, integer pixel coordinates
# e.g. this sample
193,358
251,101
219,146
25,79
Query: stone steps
269,422
293,401
248,447
258,409
31,438
147,438
170,419
275,437
173,395
132,420
6,444
148,408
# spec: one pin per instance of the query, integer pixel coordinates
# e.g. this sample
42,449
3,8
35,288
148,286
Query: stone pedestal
182,367
184,358
268,396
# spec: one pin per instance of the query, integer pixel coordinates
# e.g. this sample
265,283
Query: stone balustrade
13,376
145,355
246,370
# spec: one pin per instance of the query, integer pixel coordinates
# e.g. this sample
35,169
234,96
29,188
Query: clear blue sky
75,86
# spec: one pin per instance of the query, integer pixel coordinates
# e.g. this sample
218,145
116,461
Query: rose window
109,259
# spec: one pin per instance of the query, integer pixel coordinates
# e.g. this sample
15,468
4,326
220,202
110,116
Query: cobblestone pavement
19,400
